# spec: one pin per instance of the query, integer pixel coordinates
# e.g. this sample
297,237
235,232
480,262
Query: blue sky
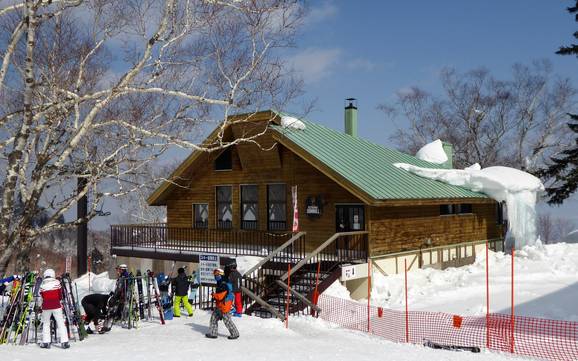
372,49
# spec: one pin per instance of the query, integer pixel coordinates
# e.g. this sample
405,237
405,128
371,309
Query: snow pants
238,303
214,323
177,305
60,326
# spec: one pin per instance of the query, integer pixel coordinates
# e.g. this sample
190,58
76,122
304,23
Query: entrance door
349,218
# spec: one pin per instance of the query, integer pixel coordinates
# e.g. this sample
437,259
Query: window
276,207
249,206
501,214
201,215
224,207
448,209
225,160
349,218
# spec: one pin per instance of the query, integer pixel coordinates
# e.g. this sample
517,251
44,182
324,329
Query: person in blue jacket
4,282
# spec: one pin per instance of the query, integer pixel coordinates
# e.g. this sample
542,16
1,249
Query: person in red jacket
51,293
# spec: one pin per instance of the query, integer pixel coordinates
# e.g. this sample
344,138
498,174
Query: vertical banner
68,265
295,209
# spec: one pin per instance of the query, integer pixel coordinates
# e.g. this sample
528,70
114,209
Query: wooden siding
397,229
202,180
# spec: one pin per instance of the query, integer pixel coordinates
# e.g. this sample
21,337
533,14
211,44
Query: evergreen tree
564,168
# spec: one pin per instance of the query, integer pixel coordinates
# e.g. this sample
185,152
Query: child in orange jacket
223,297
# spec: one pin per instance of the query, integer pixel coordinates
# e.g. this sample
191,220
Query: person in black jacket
95,307
181,290
235,278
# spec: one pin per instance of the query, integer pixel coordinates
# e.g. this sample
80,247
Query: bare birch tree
518,122
99,89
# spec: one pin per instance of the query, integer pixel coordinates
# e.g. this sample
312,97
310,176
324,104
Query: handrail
299,296
318,250
275,252
260,301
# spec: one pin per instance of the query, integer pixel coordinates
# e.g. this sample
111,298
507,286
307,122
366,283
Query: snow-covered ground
261,339
545,283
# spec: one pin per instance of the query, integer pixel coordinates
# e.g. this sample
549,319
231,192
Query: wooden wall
397,229
292,170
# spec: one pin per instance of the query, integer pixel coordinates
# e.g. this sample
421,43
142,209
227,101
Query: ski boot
208,335
233,337
65,345
44,345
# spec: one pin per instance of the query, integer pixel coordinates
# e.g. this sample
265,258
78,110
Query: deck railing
160,238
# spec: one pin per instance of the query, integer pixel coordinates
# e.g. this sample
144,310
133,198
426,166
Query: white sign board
68,264
207,264
353,271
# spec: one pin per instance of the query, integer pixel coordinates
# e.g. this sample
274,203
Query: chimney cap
350,103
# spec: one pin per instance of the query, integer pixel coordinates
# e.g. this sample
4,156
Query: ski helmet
218,271
122,266
49,273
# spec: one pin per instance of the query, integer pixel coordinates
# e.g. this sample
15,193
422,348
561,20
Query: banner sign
68,264
207,264
295,210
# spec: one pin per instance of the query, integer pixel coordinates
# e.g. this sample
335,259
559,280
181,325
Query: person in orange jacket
223,297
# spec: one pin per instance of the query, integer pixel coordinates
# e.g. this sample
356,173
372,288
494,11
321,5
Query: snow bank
337,290
292,123
517,188
546,285
99,283
244,263
433,152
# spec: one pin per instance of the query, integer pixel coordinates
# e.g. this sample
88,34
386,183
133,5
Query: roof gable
364,168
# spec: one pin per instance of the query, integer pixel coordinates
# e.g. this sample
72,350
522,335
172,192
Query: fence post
368,294
406,309
487,297
512,319
89,262
316,291
288,295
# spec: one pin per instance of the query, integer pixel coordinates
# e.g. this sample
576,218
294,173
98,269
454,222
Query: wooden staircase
266,286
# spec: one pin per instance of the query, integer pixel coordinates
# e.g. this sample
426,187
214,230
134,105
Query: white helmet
49,273
122,266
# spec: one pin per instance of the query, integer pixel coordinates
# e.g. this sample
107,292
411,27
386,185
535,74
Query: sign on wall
353,271
314,206
207,264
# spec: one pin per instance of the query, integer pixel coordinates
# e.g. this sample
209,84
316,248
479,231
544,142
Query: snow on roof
292,123
433,152
517,188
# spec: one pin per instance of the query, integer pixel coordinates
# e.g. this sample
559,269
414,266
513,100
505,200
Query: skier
4,282
235,278
96,308
223,296
194,281
51,293
180,286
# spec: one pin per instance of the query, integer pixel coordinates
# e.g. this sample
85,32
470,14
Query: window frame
254,225
284,222
220,223
229,151
456,209
195,222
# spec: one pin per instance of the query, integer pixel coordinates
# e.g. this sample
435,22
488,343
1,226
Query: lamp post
81,229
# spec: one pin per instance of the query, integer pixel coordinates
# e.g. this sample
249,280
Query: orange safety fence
533,337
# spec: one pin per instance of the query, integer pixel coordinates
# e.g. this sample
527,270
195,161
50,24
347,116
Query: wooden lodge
352,204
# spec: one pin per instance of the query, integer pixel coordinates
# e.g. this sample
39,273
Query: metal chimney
351,116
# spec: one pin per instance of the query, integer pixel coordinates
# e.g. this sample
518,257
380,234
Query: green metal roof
369,166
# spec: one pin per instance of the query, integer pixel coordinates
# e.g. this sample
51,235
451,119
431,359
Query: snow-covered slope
261,340
546,285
